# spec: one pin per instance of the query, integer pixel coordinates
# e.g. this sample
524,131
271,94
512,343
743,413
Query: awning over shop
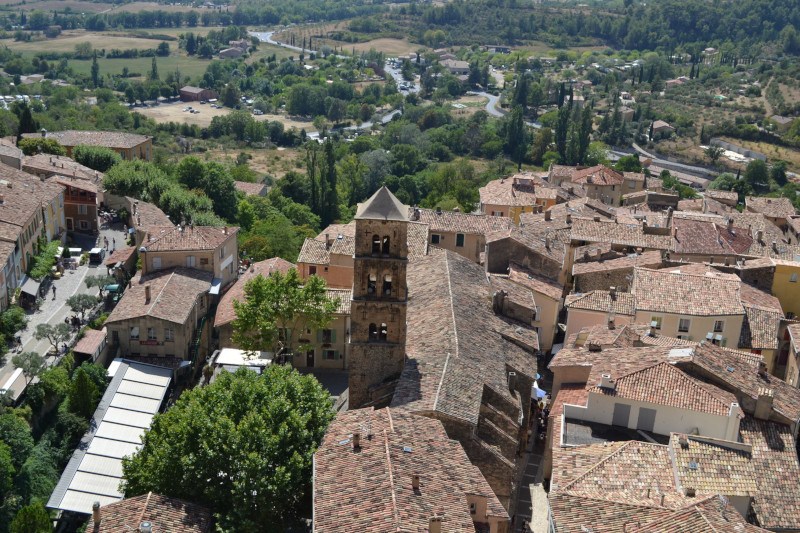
31,286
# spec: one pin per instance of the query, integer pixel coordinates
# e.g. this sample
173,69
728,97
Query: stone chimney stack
147,294
764,403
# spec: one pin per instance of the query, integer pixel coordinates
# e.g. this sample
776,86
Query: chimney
2,199
44,132
356,442
547,242
415,482
146,527
327,242
147,294
652,332
498,299
774,246
760,236
611,321
690,492
547,215
612,291
762,369
730,223
96,514
416,214
569,218
764,403
438,210
225,230
683,440
662,499
596,218
512,380
607,382
435,524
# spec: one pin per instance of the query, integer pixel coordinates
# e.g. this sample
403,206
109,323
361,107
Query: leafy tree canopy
243,446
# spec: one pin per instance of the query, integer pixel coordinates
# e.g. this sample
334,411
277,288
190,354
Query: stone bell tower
378,309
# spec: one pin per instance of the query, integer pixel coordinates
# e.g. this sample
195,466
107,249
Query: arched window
373,332
383,333
372,284
376,244
385,245
387,285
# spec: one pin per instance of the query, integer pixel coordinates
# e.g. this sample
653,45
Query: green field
188,66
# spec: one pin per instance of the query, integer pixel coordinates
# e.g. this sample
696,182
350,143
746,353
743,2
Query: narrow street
54,310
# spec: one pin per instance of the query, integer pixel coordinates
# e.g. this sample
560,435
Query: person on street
54,292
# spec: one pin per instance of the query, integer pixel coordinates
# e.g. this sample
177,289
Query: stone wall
502,252
602,280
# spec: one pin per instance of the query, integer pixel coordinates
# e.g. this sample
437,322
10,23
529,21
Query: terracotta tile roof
75,183
119,255
777,504
665,291
600,335
634,176
453,221
693,204
91,341
707,237
756,222
343,298
163,512
584,207
740,374
334,230
417,237
760,329
60,165
578,513
620,234
713,466
190,238
314,252
626,472
9,232
370,489
108,139
145,215
729,196
664,384
225,313
250,189
527,278
456,345
173,294
771,207
709,515
623,303
24,195
565,467
516,293
597,175
9,149
650,258
343,245
519,190
536,239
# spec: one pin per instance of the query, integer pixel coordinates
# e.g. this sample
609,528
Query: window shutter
336,354
319,335
333,335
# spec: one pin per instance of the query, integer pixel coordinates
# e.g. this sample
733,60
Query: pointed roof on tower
383,205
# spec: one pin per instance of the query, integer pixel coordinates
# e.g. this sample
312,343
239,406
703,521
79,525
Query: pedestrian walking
105,242
114,242
54,292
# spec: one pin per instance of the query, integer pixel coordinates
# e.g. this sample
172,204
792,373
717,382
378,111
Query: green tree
713,153
31,363
777,173
330,195
243,446
629,163
277,307
95,71
55,335
37,145
562,132
516,142
99,281
16,434
97,158
26,122
231,97
83,394
7,470
32,519
541,143
80,303
756,175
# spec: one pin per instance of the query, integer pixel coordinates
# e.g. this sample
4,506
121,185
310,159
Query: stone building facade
378,309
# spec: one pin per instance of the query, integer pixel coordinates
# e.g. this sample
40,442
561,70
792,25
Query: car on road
96,256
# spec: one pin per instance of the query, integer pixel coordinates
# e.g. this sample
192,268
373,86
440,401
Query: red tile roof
190,238
164,513
369,489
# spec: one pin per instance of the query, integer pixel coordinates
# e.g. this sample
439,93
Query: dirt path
767,106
